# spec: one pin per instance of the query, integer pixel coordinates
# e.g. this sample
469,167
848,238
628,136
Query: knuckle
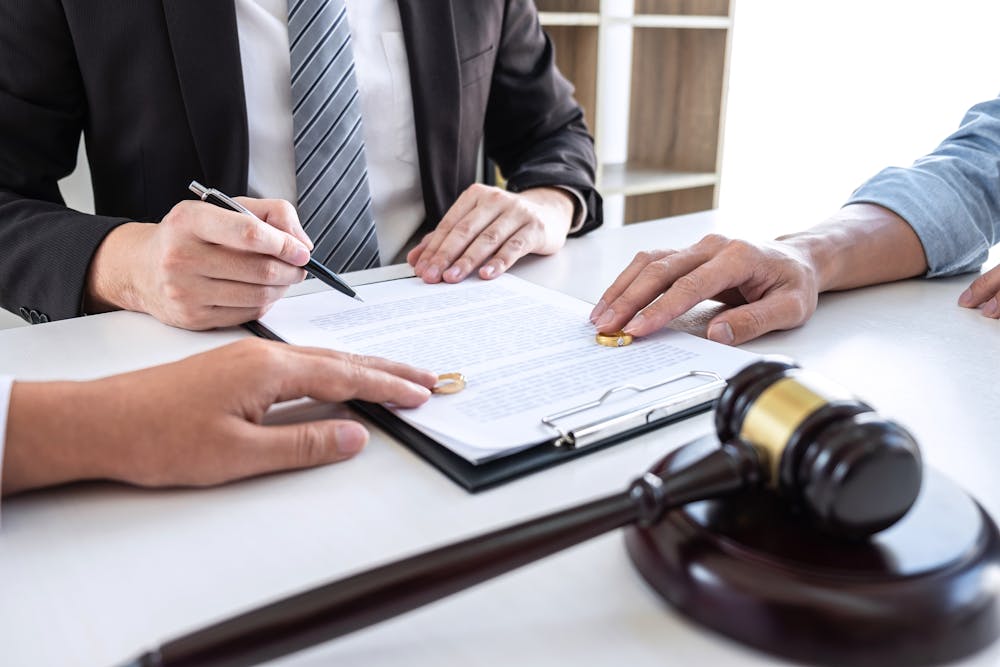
309,444
270,272
173,260
252,233
285,209
643,257
689,283
490,237
712,242
534,225
173,292
493,195
658,271
516,244
464,227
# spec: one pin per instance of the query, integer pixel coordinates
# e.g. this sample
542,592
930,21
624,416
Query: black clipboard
565,444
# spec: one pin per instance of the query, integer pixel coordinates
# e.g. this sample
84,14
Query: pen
213,196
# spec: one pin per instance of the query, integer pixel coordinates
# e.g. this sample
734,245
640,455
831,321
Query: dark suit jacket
157,89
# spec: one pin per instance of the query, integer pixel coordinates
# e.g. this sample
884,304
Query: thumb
738,325
308,444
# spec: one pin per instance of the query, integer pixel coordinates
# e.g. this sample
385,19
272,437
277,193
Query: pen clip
205,194
661,408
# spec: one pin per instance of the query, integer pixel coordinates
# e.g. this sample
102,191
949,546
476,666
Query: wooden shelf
657,68
631,179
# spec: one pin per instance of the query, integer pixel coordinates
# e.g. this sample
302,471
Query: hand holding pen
213,196
201,267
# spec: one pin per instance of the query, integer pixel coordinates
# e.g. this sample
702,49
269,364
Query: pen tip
359,298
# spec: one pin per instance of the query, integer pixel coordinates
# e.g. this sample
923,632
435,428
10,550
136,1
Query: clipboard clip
602,429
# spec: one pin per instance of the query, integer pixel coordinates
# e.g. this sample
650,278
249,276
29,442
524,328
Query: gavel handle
369,597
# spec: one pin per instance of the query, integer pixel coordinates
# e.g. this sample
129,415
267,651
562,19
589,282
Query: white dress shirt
6,382
383,75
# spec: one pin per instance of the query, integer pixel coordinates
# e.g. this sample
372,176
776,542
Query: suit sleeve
47,248
534,128
951,197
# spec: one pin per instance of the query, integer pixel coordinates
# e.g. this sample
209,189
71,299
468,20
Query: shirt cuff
936,212
579,208
6,382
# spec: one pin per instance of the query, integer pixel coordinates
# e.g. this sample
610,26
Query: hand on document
202,266
490,229
197,422
772,286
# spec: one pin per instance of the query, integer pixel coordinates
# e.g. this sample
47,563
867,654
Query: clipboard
566,443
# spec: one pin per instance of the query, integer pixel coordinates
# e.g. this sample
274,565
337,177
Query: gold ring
616,339
449,383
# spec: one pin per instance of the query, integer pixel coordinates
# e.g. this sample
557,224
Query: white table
92,574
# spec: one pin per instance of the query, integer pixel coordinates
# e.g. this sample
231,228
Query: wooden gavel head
831,454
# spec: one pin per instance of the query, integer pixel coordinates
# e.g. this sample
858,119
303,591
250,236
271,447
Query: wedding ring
449,383
616,339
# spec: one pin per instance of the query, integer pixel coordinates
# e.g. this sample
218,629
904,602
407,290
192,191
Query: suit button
23,312
43,318
33,316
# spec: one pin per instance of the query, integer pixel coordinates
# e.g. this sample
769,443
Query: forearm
52,436
860,245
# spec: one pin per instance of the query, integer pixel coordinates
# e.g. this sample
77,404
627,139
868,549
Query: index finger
278,213
686,291
327,375
624,279
246,232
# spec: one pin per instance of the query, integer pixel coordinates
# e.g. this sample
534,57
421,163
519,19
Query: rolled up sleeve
951,197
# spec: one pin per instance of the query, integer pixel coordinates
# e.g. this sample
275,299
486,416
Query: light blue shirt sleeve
951,197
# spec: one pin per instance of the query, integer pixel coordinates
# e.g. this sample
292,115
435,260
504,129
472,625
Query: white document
527,352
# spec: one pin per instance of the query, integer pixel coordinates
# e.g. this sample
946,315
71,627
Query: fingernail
966,298
301,254
488,271
598,309
721,333
635,324
432,273
605,319
351,438
992,308
420,267
308,242
453,273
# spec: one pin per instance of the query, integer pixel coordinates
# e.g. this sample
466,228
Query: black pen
213,196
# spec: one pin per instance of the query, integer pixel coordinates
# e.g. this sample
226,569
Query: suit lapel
434,77
206,49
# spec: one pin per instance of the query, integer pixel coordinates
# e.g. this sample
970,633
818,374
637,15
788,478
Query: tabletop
92,574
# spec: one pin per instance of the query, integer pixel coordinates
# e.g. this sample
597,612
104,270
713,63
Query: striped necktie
330,168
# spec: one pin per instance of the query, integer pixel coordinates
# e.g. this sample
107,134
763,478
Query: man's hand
984,291
202,266
490,229
773,286
197,421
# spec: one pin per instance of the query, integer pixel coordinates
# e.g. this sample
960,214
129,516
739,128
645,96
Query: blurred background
823,94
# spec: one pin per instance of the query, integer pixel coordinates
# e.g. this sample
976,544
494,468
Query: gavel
849,471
